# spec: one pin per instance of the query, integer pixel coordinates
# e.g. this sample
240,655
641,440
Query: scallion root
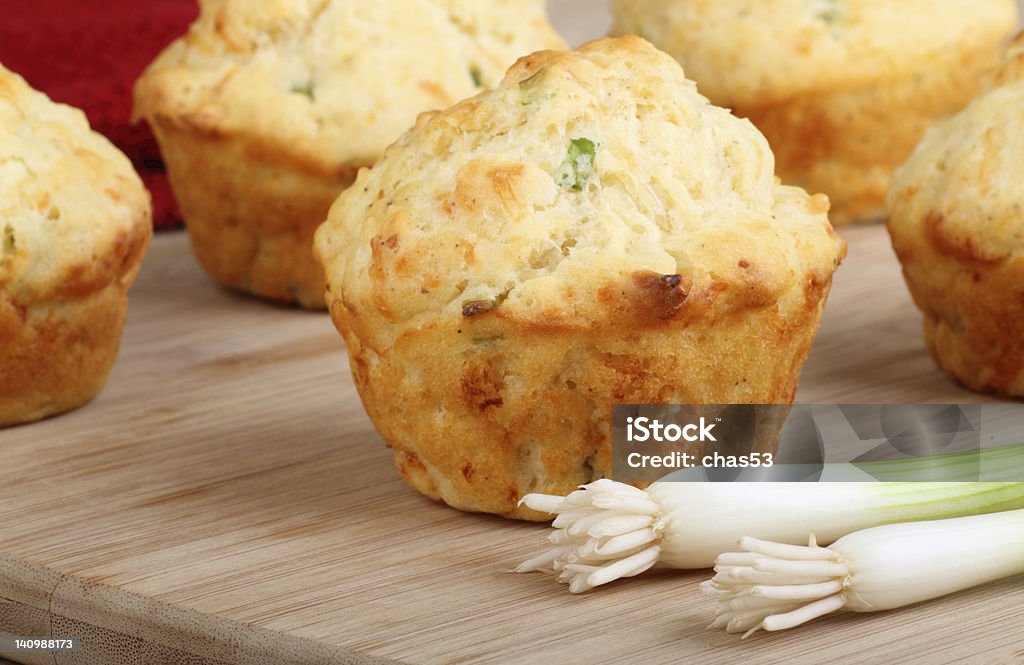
772,586
604,531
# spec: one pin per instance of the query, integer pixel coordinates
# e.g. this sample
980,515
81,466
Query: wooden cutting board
226,500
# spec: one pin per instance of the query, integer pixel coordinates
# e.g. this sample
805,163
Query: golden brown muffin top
71,206
758,52
590,188
333,82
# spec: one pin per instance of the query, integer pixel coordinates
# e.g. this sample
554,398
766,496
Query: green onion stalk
608,530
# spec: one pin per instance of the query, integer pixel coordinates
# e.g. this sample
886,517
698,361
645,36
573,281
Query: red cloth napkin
88,53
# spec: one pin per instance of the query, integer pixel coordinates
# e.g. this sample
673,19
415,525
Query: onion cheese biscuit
75,223
842,89
266,110
957,225
591,232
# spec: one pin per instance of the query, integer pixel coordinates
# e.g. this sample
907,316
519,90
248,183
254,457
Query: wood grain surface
226,500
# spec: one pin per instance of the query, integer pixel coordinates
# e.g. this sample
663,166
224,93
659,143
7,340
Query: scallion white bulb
774,586
608,530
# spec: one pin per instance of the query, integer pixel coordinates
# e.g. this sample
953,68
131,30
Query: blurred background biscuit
957,225
266,110
75,222
842,89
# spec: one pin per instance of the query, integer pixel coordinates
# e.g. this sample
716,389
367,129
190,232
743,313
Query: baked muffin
842,89
957,225
591,232
75,222
266,110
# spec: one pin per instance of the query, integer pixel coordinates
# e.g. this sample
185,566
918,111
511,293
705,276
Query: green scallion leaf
306,90
578,167
534,89
1002,464
10,245
829,12
471,308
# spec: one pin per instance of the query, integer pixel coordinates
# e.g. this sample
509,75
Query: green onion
477,76
471,308
829,12
10,244
305,89
533,87
578,167
608,530
1001,463
774,586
